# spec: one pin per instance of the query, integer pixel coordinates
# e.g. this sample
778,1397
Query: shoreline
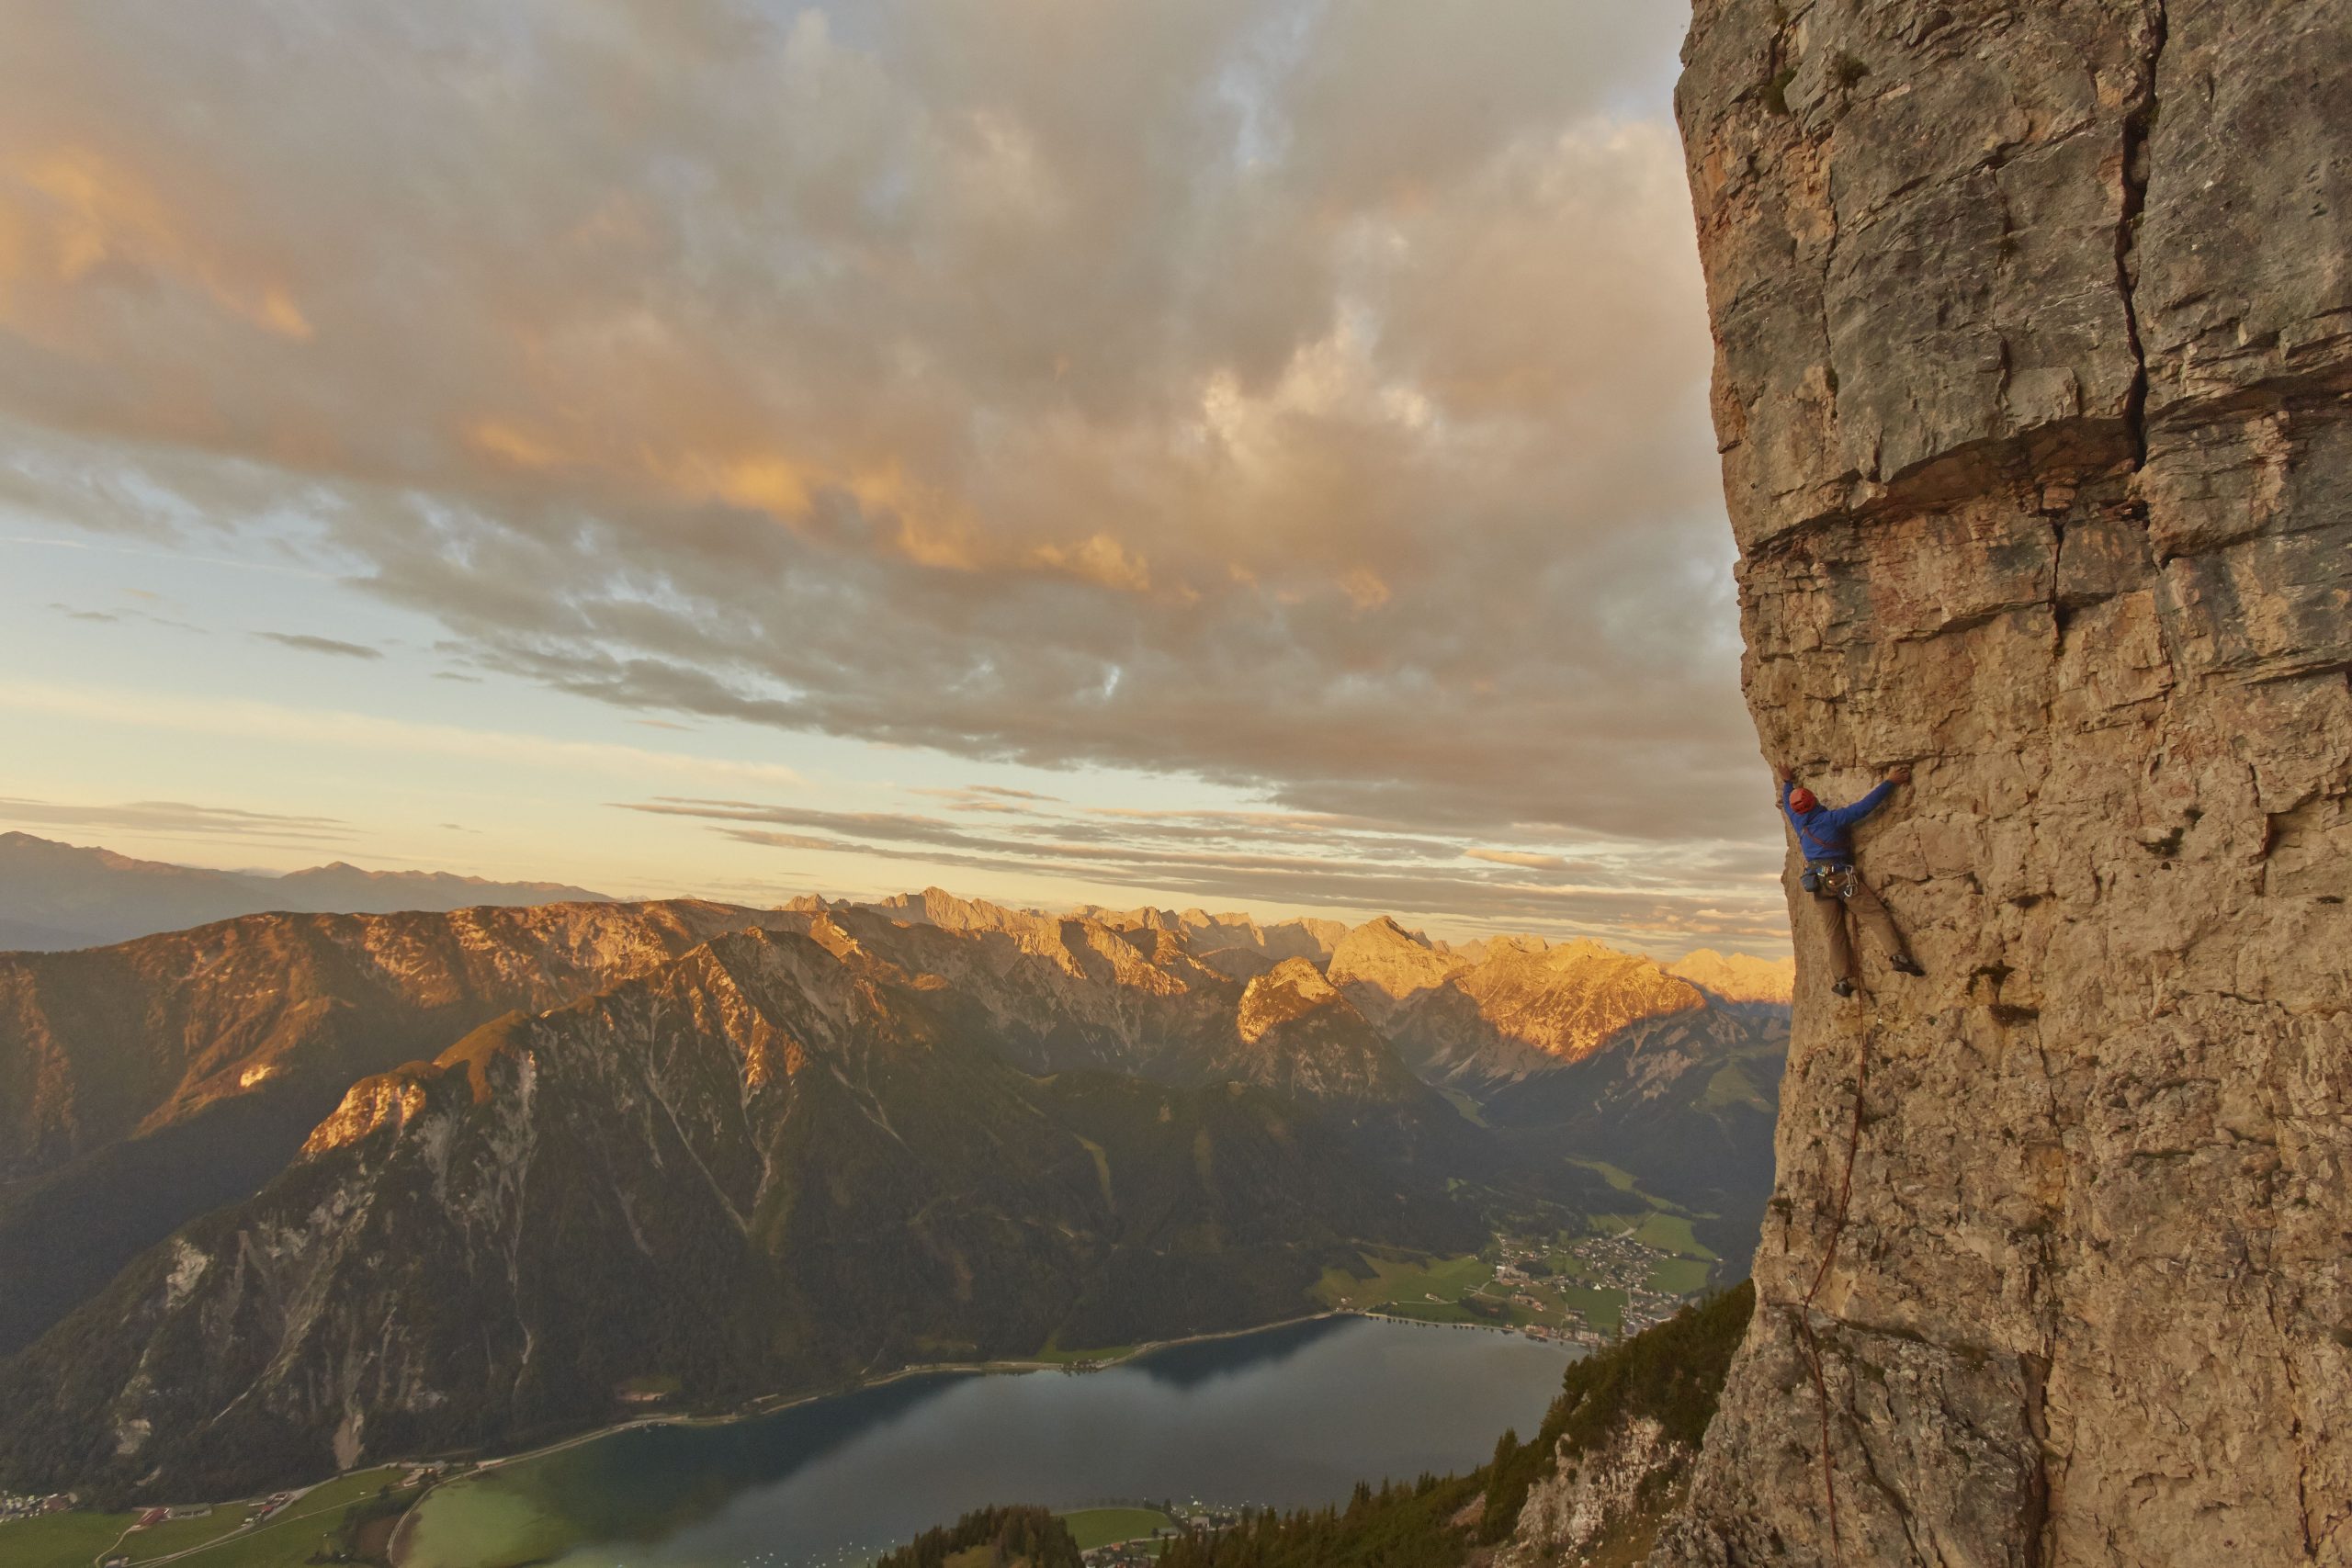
775,1404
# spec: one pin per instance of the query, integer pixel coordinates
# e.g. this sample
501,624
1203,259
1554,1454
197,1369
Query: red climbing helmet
1802,799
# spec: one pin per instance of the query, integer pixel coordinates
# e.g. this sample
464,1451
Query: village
1602,1262
1587,1291
25,1505
1137,1551
344,1519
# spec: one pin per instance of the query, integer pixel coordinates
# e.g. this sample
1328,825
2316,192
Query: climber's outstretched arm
1847,816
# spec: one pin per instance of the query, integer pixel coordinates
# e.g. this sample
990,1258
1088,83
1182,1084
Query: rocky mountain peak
385,1099
1738,977
1288,990
1301,1037
1381,965
937,906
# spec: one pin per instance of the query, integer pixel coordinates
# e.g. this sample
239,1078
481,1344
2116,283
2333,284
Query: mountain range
66,896
291,1189
144,1083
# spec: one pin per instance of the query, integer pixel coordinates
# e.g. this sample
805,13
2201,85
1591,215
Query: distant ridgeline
62,896
1610,1464
288,1192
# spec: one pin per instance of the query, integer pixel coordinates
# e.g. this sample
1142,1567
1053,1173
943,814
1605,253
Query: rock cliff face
2034,331
1529,1007
1574,1510
1300,1037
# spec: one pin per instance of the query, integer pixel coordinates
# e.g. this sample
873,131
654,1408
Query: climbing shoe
1907,965
1843,987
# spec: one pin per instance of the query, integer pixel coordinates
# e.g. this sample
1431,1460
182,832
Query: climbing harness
1827,878
1828,1255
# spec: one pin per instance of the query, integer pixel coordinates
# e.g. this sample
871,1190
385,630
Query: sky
1236,452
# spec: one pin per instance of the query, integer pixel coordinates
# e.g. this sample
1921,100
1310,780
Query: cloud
115,618
309,644
176,817
1519,857
1353,867
230,717
985,797
1310,400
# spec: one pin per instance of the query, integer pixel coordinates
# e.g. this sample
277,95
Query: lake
1283,1417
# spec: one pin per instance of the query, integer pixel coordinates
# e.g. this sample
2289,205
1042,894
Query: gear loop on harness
1829,879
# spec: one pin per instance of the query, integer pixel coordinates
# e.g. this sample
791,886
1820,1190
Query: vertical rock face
2034,330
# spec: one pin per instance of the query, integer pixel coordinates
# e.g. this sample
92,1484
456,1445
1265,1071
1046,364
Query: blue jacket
1827,832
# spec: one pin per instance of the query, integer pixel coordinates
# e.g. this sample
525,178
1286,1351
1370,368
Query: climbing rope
1828,1255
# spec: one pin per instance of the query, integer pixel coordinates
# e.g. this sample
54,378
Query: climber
1826,838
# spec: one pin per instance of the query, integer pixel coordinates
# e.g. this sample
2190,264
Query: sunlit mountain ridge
1205,1116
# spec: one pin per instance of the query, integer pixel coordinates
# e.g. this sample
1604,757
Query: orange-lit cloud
1310,401
509,444
69,215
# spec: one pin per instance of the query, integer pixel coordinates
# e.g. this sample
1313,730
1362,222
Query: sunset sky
1239,453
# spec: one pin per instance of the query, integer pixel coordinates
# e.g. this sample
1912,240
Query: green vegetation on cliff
1672,1375
991,1537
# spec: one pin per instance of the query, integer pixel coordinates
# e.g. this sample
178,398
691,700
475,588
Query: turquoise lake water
1285,1417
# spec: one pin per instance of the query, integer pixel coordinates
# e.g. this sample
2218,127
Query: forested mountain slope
1593,1485
145,1083
776,1148
769,1164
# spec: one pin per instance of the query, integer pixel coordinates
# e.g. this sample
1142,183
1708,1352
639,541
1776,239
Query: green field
72,1539
1619,1179
215,1541
1100,1526
1604,1308
1656,1223
1410,1288
1679,1277
1671,1233
78,1539
180,1535
500,1516
1425,1312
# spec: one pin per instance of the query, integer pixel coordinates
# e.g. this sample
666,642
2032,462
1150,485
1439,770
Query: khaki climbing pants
1845,899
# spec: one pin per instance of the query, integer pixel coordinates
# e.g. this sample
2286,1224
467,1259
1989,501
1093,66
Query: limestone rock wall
1591,1499
2034,328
